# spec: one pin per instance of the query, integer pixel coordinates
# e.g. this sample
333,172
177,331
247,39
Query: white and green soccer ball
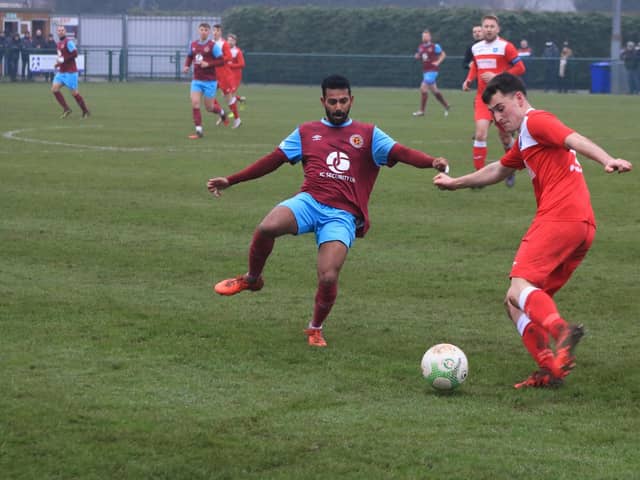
444,366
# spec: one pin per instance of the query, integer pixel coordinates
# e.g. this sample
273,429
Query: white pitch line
13,135
17,136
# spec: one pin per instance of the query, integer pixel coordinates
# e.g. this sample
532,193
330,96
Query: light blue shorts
429,77
208,88
328,223
68,79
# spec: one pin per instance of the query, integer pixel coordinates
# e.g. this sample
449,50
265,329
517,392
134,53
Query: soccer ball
444,366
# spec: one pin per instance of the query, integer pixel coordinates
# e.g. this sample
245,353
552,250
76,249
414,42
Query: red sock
234,109
80,102
541,309
61,100
197,117
424,96
536,341
259,251
479,156
325,298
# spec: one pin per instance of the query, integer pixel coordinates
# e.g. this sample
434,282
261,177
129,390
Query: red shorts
551,251
480,110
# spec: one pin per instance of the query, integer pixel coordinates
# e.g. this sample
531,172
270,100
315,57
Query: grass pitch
118,361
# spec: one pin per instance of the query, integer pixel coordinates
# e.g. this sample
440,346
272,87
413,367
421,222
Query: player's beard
337,117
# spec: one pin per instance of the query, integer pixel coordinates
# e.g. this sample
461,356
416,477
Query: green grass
117,361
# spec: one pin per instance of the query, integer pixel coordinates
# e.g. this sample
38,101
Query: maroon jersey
67,53
429,53
339,169
199,52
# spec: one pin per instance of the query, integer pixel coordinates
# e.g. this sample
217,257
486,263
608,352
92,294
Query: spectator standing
50,47
550,54
13,56
631,58
27,46
3,45
38,43
525,52
478,35
564,73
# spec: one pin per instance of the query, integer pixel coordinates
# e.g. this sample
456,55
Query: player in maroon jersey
341,159
67,73
563,228
431,55
204,81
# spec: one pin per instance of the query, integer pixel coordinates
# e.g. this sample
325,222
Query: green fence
115,64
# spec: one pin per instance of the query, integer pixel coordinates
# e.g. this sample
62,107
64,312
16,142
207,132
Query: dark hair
205,25
504,83
335,82
218,26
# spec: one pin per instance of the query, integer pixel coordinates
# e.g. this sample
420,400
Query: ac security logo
339,164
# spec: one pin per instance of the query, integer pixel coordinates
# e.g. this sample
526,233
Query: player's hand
487,76
444,182
204,64
465,86
441,164
618,165
216,185
185,69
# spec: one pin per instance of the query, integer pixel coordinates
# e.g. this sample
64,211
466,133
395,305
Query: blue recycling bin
601,77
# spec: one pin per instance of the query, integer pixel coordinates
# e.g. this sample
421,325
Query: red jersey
339,169
236,66
201,52
558,183
67,53
223,71
496,57
429,53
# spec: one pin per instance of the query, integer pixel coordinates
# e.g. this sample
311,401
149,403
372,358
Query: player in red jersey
562,230
431,55
341,159
201,56
237,65
223,72
491,56
67,73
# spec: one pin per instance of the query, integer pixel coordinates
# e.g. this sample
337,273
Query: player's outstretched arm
403,154
492,173
589,149
264,166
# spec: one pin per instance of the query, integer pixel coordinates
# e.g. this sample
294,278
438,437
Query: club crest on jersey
356,141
